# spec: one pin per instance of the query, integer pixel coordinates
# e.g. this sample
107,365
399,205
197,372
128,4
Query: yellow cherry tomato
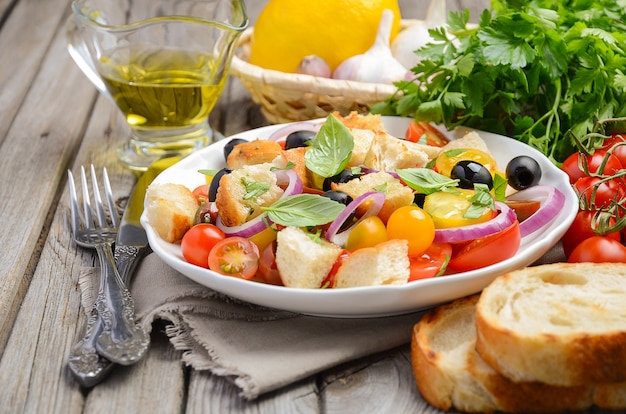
448,209
448,159
367,233
413,224
263,238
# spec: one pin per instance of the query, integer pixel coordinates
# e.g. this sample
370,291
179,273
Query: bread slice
232,201
471,140
388,153
450,373
396,194
302,261
171,210
561,324
385,264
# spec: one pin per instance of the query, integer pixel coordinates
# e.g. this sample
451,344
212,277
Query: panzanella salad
343,204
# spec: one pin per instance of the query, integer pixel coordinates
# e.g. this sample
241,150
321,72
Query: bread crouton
372,122
295,156
470,140
396,194
362,142
253,152
384,264
301,261
234,200
171,210
388,153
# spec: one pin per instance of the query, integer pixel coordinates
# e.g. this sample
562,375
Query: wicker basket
289,97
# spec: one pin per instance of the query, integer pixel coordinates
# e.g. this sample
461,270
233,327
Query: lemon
288,30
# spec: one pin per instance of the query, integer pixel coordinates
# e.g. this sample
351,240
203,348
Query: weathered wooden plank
39,140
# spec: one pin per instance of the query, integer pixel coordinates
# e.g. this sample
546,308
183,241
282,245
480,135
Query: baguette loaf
450,373
561,324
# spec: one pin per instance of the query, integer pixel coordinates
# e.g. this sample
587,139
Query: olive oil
164,88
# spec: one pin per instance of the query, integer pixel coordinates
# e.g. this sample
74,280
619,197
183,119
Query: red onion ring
340,238
281,133
552,201
260,223
501,222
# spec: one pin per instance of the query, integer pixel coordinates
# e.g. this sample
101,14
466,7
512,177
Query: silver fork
111,328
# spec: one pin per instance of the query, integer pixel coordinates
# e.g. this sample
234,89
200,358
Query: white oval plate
371,301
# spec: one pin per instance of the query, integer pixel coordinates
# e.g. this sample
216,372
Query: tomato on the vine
235,256
198,242
598,249
592,162
413,224
617,145
582,228
430,262
597,193
486,250
424,133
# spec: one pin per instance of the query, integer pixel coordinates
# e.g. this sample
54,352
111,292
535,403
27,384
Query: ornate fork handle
122,340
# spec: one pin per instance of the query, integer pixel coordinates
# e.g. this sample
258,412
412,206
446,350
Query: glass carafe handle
78,51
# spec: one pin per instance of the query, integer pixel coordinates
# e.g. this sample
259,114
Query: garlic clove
315,66
376,65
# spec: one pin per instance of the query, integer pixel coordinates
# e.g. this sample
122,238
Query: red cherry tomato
598,249
424,133
617,144
267,265
592,162
429,263
595,193
582,228
487,250
198,242
235,256
201,192
329,281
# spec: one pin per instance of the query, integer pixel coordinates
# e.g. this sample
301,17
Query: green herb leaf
481,200
425,180
210,173
303,210
254,189
499,187
331,150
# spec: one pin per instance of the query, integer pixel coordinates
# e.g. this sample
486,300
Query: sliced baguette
561,324
450,373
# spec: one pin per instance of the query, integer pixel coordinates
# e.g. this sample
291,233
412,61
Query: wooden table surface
52,119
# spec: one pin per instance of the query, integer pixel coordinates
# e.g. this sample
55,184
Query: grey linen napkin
259,349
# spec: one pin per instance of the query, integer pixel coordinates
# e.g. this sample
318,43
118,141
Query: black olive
215,183
418,199
343,177
470,172
523,172
343,198
299,139
228,148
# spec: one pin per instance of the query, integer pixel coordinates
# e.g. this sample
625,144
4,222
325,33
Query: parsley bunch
541,71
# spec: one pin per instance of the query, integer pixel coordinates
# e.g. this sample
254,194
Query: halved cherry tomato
487,250
524,208
592,163
598,249
429,263
413,224
424,133
267,265
448,209
235,256
198,242
201,192
329,281
367,233
582,228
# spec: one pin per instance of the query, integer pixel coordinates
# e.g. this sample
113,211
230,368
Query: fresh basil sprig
331,149
425,180
254,189
481,200
303,210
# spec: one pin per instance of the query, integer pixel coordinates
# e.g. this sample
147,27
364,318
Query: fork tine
73,203
97,199
89,223
109,196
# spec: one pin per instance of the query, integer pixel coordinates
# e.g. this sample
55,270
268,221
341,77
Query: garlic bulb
315,66
417,36
376,65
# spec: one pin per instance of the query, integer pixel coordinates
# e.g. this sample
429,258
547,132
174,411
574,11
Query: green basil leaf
425,180
331,149
499,187
303,210
254,189
481,200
